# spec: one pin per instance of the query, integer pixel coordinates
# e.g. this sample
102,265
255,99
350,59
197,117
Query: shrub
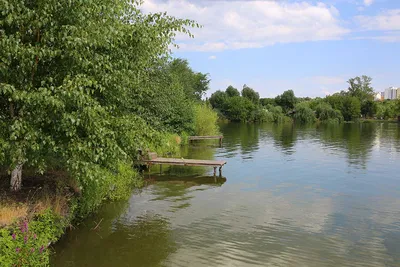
325,113
275,114
238,108
205,122
261,115
304,114
104,184
351,109
218,99
26,243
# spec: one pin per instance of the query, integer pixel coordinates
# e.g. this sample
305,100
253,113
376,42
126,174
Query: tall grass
205,122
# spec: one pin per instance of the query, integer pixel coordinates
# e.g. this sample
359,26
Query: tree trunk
16,178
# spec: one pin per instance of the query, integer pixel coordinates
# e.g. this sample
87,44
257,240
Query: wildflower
41,249
24,227
25,239
13,236
34,236
17,250
32,249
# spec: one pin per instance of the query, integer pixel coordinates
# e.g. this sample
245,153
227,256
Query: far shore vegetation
354,104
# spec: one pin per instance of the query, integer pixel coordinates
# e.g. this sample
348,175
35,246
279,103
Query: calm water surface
289,196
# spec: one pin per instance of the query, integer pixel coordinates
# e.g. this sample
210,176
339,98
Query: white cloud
388,20
251,24
212,57
368,2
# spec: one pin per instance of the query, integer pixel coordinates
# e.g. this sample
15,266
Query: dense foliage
236,107
89,83
355,103
26,243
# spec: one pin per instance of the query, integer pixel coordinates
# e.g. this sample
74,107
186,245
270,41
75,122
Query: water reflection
177,189
285,137
117,241
356,139
187,181
246,135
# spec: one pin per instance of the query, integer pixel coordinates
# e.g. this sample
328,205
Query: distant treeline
354,103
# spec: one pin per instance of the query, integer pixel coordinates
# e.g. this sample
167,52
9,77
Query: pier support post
220,142
215,171
220,171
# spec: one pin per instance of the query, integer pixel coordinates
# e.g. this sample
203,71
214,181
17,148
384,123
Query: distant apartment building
378,97
391,93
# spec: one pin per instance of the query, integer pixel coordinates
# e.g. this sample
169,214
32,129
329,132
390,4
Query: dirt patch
52,190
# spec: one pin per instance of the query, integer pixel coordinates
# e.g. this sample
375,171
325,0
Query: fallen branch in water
97,225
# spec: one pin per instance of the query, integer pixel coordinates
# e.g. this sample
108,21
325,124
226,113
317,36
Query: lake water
289,196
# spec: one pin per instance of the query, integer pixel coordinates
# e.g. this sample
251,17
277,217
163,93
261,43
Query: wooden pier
207,137
185,162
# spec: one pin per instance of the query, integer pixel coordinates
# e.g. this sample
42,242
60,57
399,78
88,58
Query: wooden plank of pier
187,162
207,137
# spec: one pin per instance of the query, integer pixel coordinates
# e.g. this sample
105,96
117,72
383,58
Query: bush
218,99
351,109
205,122
26,243
275,114
104,184
325,113
304,114
238,108
261,115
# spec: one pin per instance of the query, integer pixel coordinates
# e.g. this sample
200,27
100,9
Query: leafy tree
276,113
336,101
195,84
218,99
304,114
287,100
168,105
368,108
232,91
238,108
351,108
361,88
73,74
267,101
388,109
250,94
325,113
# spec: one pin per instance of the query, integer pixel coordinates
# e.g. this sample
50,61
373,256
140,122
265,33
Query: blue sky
311,47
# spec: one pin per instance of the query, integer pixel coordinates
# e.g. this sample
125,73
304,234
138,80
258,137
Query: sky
311,47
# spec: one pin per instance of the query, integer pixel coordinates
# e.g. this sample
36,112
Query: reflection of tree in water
356,139
285,137
178,190
144,241
388,135
245,134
